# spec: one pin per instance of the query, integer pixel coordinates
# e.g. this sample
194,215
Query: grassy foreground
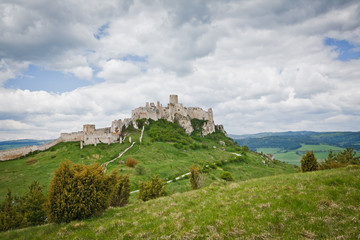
316,205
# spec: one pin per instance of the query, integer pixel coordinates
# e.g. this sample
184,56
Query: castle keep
173,112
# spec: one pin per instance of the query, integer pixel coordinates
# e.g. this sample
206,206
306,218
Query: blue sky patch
347,50
134,58
37,78
102,31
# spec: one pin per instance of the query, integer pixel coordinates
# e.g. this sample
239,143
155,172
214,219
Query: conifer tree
77,192
10,216
120,190
309,162
32,204
151,189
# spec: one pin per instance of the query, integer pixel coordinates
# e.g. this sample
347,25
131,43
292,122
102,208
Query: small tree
195,177
151,189
309,162
120,190
10,216
77,192
227,176
32,204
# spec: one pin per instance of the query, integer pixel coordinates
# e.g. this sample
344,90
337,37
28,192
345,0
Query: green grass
315,205
156,156
321,152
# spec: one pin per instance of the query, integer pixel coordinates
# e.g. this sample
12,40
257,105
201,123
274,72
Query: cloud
14,125
261,66
118,70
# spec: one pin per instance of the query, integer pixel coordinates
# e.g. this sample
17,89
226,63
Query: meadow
276,207
321,152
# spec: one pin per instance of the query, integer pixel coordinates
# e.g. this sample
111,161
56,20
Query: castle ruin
173,112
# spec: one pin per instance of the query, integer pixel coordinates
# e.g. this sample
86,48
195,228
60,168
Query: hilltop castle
173,112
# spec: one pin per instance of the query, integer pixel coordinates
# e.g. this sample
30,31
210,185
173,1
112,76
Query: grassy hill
315,205
290,146
165,150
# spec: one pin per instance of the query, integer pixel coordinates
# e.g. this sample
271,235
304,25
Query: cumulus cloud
261,66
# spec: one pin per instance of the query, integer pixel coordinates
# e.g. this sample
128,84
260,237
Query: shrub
151,189
309,162
131,162
31,161
120,190
341,159
140,170
10,216
227,176
77,192
195,177
32,205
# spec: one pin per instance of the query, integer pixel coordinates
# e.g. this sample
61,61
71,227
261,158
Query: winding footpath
123,152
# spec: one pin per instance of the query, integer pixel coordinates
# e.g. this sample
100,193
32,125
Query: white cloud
118,70
14,125
262,66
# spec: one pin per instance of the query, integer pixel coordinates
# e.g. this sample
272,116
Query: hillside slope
166,150
321,205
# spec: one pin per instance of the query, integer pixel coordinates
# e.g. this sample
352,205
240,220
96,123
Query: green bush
77,192
195,177
227,176
32,203
10,215
120,190
140,170
309,162
151,189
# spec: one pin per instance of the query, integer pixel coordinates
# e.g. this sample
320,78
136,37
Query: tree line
341,159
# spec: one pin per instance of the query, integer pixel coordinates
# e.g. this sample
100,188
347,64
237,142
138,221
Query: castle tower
174,99
89,128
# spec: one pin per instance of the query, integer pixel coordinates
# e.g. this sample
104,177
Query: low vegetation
277,207
81,189
151,189
341,159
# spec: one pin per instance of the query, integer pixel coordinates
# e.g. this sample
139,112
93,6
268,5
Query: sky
262,66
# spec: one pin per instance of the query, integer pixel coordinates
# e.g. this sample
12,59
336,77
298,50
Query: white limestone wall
72,137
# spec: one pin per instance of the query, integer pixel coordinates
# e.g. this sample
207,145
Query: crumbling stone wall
175,111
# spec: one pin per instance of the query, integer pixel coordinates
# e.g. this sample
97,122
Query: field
321,152
291,206
157,158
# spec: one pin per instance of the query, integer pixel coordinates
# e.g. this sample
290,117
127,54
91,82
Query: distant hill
294,140
5,145
290,146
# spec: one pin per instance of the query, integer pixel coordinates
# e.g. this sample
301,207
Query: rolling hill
290,146
166,150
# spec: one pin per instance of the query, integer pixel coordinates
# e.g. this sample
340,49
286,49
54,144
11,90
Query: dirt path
122,153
